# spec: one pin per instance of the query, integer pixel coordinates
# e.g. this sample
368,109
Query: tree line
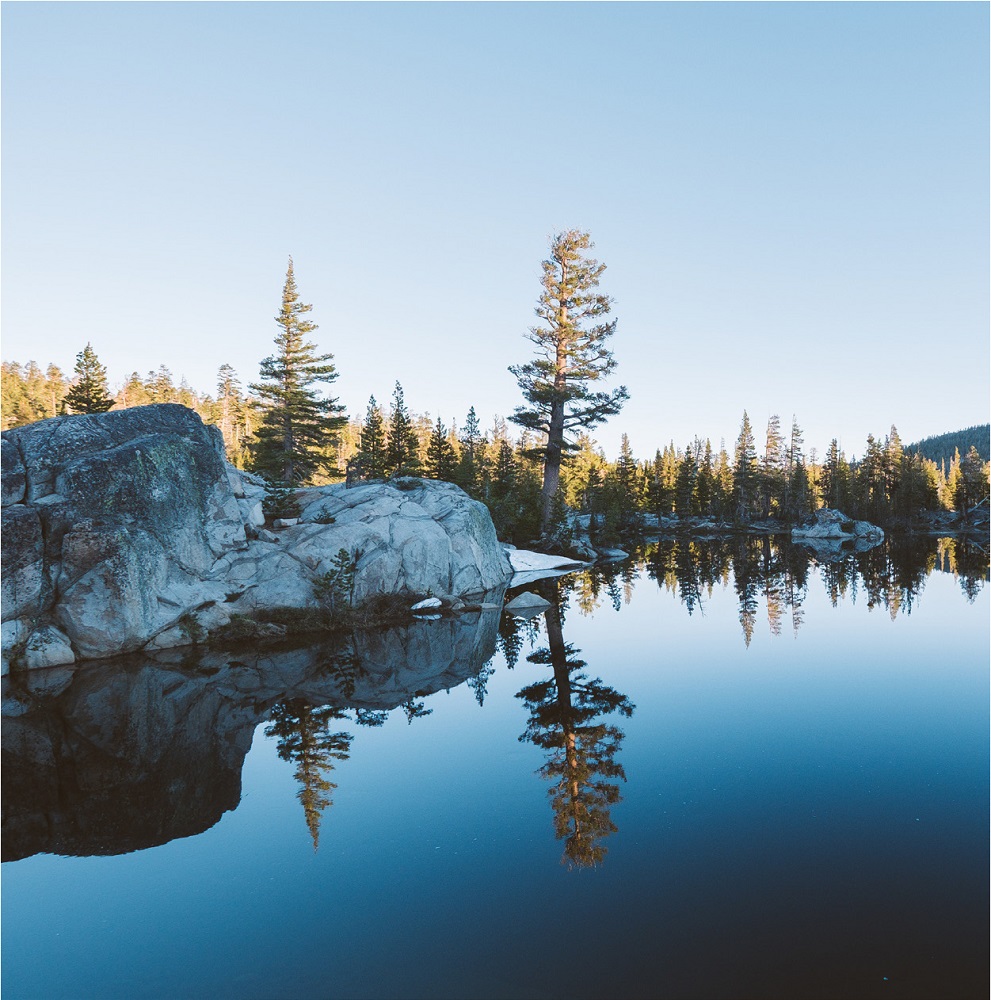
549,482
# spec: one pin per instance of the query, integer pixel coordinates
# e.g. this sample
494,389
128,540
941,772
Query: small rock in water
427,602
527,602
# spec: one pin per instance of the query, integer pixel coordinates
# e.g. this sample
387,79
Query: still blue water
776,796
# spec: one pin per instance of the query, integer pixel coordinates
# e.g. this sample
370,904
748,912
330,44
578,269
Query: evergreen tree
89,393
467,476
229,405
441,459
133,393
628,480
296,423
835,484
893,469
704,484
797,481
972,483
684,495
871,481
772,468
403,458
745,472
572,356
160,387
373,453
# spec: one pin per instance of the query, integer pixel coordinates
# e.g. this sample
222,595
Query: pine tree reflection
892,574
305,739
565,711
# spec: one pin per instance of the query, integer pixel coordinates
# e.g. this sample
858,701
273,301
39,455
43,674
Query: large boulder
833,524
113,523
128,528
831,536
410,536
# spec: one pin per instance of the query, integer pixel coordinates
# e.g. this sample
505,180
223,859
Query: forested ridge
940,448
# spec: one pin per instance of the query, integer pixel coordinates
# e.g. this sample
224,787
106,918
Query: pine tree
468,472
403,448
296,423
160,387
134,392
572,356
835,478
628,479
745,472
89,393
229,405
772,467
797,480
441,459
972,483
685,485
372,456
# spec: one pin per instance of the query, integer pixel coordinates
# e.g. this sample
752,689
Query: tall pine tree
403,449
296,423
572,357
372,455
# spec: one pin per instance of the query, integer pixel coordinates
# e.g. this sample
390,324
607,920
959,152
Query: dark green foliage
403,448
335,588
280,500
972,485
89,392
745,481
468,475
940,447
442,462
296,423
372,457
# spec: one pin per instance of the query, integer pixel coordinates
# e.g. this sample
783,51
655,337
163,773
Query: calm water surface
716,770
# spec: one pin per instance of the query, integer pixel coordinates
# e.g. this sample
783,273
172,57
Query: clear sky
792,199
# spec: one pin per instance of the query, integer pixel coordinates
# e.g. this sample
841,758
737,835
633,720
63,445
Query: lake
718,769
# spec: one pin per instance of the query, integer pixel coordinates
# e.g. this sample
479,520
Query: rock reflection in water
122,755
567,711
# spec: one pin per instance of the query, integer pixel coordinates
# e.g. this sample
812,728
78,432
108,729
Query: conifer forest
541,472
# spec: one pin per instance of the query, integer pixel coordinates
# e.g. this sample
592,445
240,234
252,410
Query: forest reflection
775,571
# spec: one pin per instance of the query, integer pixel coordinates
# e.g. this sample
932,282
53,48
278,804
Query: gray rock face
127,526
417,536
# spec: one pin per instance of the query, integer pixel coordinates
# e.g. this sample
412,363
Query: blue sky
792,199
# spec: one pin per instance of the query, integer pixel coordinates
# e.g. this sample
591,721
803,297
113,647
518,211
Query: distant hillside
940,447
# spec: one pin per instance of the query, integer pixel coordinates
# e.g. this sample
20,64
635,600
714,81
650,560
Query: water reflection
116,757
567,712
305,740
775,571
123,755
